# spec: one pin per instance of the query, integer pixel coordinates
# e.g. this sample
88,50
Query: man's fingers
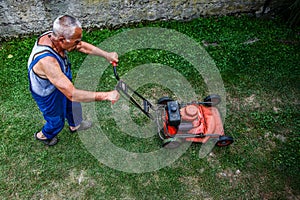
115,96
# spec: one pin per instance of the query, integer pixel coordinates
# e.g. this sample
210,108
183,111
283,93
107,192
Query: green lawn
259,64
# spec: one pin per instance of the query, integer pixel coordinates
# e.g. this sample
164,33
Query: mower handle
115,64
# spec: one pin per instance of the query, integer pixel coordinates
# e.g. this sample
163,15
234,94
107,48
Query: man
50,79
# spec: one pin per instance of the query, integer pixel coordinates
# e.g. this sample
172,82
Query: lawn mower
178,122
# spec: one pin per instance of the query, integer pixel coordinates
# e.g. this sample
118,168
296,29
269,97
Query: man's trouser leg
54,124
74,113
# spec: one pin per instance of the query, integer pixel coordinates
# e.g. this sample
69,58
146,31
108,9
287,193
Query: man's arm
88,48
50,68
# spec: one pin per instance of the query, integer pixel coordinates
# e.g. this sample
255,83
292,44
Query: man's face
71,43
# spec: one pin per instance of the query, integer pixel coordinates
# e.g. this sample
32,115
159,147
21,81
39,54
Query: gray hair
65,26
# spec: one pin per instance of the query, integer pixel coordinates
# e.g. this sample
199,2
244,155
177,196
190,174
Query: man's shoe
82,126
48,142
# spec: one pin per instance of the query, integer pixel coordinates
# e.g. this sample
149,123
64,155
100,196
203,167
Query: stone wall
21,17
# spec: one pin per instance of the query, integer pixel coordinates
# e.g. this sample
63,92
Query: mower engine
192,121
187,119
174,118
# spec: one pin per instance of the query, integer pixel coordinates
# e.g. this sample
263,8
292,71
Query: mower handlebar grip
114,64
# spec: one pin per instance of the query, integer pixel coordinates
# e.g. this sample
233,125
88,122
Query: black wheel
224,141
161,134
212,100
171,143
164,100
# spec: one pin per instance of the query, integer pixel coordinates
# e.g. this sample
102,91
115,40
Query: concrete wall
21,17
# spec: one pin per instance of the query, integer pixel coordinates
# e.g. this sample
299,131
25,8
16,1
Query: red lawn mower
179,122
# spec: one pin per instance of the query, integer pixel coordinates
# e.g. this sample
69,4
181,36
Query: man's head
67,31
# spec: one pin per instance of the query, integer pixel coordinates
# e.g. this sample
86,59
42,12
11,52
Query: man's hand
112,57
113,96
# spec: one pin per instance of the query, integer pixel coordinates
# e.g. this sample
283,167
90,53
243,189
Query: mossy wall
19,17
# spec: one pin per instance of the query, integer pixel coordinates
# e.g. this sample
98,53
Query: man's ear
61,39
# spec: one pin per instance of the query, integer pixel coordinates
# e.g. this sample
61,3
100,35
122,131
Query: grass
259,64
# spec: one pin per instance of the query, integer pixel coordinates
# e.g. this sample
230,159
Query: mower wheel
164,100
161,134
212,100
224,141
171,143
